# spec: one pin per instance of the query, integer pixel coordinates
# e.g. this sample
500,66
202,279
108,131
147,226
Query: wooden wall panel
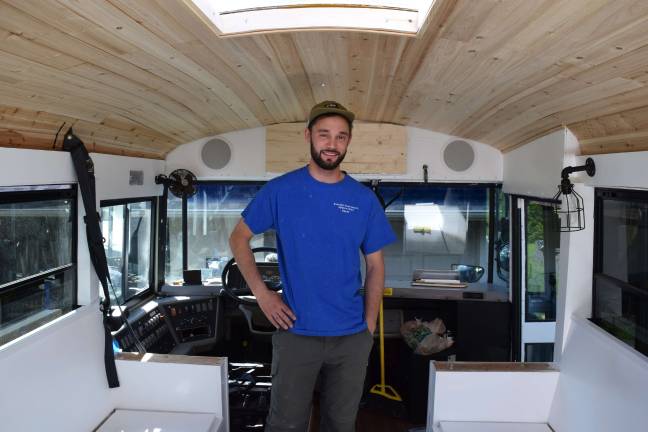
374,149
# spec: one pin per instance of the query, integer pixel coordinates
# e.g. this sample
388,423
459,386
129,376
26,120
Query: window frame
490,188
41,193
527,314
516,281
185,225
152,247
611,194
46,193
600,194
528,345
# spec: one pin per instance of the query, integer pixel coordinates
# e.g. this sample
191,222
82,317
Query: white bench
600,387
145,421
493,427
54,380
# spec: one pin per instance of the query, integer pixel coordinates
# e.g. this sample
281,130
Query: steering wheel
235,286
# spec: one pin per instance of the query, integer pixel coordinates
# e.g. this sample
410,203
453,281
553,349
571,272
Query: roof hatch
251,16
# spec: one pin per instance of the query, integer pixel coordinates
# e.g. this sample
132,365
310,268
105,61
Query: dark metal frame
433,184
45,194
516,278
609,194
597,262
546,230
163,223
516,269
526,345
491,188
185,232
600,194
492,221
151,276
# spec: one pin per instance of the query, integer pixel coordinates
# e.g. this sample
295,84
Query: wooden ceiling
141,77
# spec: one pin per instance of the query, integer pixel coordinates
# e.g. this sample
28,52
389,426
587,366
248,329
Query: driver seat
257,322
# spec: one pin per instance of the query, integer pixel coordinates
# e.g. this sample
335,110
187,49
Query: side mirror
502,255
468,273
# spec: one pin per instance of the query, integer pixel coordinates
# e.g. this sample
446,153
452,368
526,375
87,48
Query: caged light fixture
568,203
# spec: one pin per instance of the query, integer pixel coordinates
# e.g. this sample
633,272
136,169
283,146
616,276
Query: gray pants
297,361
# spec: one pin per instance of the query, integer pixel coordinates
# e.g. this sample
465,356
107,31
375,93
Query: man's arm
277,312
374,286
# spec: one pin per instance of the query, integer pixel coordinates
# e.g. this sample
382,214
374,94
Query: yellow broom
383,389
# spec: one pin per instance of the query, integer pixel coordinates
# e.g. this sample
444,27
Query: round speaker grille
216,153
459,155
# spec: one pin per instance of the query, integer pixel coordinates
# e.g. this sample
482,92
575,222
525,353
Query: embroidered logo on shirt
345,208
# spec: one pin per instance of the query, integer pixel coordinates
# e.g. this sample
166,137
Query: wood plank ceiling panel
143,77
38,33
514,92
621,131
108,17
573,79
218,56
577,84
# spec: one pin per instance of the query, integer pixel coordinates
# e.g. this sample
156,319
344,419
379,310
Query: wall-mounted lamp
569,204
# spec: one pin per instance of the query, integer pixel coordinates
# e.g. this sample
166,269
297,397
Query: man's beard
329,166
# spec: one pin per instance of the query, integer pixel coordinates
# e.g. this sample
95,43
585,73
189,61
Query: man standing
323,220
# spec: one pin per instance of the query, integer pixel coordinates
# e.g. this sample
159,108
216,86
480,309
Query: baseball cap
330,107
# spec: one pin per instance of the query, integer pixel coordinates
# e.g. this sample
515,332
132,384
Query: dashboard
172,325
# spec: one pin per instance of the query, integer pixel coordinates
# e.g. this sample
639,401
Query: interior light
569,204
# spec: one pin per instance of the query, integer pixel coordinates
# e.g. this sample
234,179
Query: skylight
249,16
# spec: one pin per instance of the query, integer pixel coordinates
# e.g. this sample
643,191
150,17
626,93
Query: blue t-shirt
321,228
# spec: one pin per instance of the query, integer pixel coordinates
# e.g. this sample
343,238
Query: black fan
181,182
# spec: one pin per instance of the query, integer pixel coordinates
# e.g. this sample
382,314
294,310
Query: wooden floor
369,421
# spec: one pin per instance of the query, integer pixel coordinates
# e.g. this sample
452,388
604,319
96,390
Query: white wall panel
34,167
247,159
534,169
424,147
575,272
50,378
620,170
53,379
602,384
112,174
492,396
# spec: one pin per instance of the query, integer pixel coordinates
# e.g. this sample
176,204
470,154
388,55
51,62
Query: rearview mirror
468,273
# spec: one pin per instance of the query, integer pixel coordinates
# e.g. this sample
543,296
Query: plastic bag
425,337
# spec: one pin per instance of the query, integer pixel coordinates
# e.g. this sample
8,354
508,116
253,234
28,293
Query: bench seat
492,427
59,369
123,420
599,386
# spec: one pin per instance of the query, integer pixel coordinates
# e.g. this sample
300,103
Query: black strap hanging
84,168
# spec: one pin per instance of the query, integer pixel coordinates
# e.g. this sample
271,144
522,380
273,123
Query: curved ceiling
140,78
